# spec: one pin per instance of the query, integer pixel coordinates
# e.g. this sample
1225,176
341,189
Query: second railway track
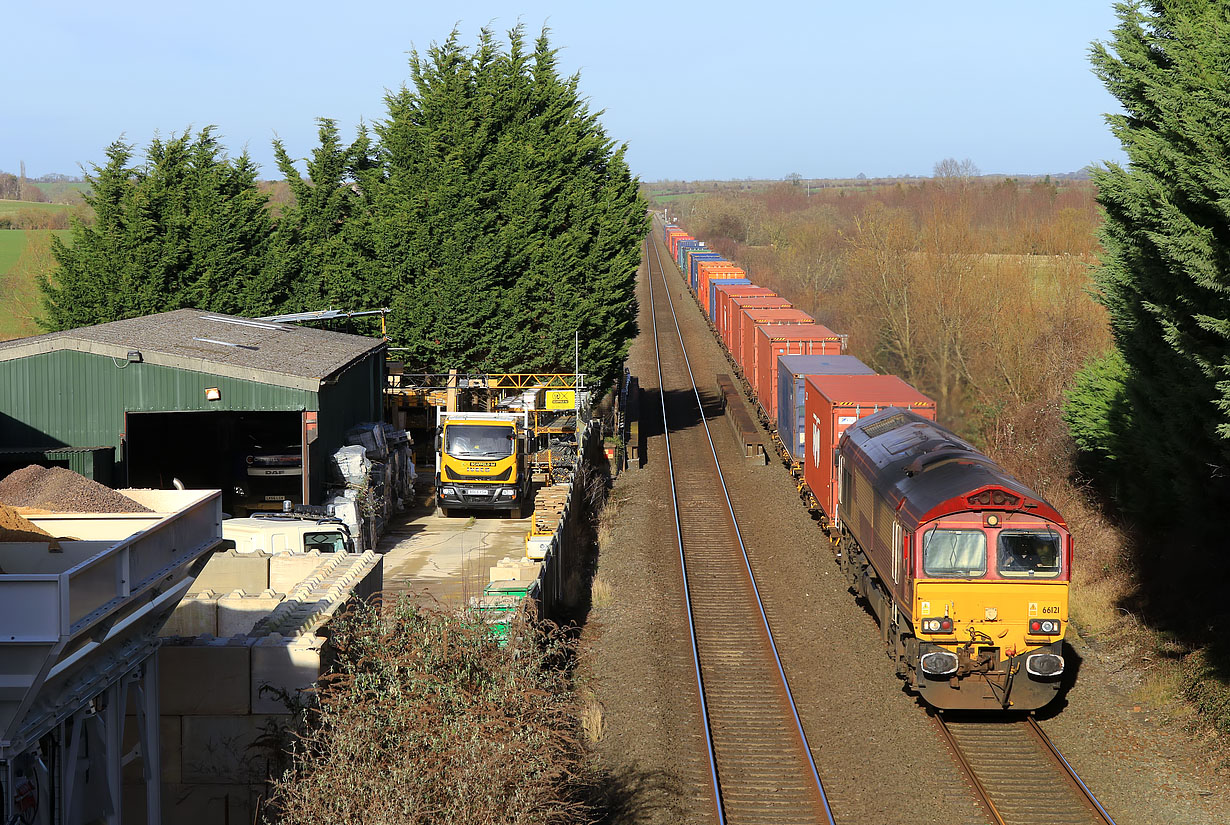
761,764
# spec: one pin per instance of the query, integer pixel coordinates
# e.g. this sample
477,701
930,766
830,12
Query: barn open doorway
255,458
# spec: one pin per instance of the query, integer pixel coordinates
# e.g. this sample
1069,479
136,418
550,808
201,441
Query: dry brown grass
600,593
593,718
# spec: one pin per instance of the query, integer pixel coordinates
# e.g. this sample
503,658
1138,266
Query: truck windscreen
478,441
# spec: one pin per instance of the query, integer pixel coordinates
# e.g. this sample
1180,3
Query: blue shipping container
792,372
693,272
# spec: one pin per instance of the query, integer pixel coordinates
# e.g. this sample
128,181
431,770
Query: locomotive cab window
949,553
1028,554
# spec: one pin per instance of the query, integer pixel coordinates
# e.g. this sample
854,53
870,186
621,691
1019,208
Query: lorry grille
450,475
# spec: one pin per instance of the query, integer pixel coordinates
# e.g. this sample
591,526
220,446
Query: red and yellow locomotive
965,567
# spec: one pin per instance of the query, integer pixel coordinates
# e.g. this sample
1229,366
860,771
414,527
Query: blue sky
698,91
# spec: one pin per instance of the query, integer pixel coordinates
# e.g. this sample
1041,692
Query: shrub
425,719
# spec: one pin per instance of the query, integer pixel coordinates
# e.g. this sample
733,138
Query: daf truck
481,462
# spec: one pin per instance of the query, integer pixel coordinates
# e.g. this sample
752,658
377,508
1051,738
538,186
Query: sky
698,91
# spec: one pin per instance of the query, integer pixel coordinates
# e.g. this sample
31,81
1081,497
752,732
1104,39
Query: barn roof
210,342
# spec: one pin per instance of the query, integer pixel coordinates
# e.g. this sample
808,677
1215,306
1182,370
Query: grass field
17,206
19,295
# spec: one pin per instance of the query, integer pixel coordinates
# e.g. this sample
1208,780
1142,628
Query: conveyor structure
78,652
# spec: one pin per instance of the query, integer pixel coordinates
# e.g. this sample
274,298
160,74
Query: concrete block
170,745
196,614
518,570
288,570
223,750
287,664
225,572
210,678
195,804
238,612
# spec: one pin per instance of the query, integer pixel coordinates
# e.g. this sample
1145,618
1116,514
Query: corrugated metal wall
77,399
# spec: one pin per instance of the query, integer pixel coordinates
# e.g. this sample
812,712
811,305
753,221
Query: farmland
24,253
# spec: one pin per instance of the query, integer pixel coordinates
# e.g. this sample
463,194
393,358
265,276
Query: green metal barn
253,408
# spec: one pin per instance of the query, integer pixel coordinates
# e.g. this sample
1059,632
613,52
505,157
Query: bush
425,719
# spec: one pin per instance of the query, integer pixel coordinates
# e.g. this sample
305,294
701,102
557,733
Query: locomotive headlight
992,614
940,625
1048,627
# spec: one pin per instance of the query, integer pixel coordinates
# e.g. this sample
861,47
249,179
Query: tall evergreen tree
503,220
188,227
1165,273
317,256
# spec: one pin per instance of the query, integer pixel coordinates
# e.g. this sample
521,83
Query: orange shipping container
832,403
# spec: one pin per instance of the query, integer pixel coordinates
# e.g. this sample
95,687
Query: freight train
965,568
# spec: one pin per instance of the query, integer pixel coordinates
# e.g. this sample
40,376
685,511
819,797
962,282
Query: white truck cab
287,533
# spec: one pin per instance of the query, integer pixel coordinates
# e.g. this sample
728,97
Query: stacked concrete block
195,615
238,611
233,570
216,721
515,570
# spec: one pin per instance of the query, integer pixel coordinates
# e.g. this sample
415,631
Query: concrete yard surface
447,560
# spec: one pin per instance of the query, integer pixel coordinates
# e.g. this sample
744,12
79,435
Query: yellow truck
481,462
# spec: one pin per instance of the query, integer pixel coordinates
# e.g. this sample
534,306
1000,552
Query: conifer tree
503,220
187,227
1165,273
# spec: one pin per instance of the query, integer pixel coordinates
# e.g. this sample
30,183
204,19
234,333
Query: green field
19,295
17,206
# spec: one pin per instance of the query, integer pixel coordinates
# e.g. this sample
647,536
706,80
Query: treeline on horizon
489,211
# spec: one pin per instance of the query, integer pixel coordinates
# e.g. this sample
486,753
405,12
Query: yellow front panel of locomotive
996,610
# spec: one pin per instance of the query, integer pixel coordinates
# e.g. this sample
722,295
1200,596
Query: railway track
1019,775
760,764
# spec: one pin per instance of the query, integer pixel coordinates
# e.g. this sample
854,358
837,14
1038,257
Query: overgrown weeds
425,719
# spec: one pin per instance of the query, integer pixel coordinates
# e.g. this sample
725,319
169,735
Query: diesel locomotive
966,568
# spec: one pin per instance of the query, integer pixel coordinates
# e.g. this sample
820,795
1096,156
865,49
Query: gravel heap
13,527
62,491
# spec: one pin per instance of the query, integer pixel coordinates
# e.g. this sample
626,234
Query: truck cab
287,533
481,462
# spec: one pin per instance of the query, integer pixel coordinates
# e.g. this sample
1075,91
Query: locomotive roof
924,470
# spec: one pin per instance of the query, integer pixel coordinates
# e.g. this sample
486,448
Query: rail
1007,763
760,763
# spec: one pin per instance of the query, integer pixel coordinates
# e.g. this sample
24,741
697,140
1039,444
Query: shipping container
723,293
831,403
681,251
706,270
674,237
773,340
749,320
709,303
694,261
716,279
792,372
732,324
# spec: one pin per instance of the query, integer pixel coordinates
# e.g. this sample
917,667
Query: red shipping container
724,293
752,317
774,340
834,402
732,324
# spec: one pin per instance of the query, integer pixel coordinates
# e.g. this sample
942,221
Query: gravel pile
62,491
